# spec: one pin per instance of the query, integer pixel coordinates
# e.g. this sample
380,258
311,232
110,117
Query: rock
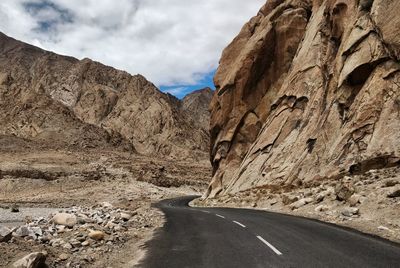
67,246
321,208
383,228
65,219
23,231
5,234
344,191
390,183
33,260
349,212
125,216
394,193
14,208
271,120
85,243
354,200
63,256
96,235
288,199
301,202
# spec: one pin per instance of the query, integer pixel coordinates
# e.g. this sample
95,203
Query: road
225,237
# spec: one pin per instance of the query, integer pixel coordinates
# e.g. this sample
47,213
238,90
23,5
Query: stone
63,256
65,219
33,260
350,211
383,228
85,243
394,193
302,202
125,216
14,208
321,208
287,199
5,234
96,235
354,200
344,191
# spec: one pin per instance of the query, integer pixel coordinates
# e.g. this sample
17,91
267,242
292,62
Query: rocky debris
78,229
65,219
307,91
33,260
5,234
350,211
394,193
301,202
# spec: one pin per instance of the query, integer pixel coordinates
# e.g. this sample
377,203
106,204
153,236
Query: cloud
171,42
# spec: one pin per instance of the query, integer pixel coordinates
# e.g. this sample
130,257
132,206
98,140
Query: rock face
308,90
62,102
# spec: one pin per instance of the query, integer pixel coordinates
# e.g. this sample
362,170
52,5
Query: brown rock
96,235
53,101
33,260
307,90
344,191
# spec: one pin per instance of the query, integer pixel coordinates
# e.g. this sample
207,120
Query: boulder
33,260
394,193
5,234
350,211
344,191
288,199
65,219
301,202
354,200
96,235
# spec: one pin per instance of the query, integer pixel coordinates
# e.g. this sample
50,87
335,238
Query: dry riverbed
89,209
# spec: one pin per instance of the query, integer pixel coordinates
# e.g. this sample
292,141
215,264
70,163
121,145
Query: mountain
308,91
58,102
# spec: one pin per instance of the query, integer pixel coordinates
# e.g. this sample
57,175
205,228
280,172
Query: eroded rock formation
62,102
308,90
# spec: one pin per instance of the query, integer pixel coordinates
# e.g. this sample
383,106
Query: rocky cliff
308,91
61,102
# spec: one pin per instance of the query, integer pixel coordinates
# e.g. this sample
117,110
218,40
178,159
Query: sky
176,44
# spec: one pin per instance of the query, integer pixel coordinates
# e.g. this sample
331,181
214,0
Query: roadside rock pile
77,233
369,202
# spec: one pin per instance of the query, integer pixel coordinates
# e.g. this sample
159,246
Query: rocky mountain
308,91
55,101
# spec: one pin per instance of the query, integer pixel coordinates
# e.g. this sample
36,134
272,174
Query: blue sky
176,44
180,90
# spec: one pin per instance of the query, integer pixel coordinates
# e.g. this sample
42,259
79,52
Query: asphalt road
224,237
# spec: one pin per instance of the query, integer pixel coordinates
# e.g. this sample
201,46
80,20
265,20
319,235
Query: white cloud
168,41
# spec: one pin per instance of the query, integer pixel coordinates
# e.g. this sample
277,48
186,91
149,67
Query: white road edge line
205,211
220,216
238,223
269,245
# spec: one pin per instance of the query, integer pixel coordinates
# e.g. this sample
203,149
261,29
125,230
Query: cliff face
308,90
61,102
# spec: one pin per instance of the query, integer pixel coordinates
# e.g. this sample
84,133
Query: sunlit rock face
61,102
308,90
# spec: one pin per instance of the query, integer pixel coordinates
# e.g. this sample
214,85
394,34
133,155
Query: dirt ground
97,184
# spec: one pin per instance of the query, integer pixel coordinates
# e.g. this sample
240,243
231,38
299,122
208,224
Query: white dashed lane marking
220,216
238,223
269,245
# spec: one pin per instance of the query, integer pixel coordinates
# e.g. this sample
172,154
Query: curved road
225,237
